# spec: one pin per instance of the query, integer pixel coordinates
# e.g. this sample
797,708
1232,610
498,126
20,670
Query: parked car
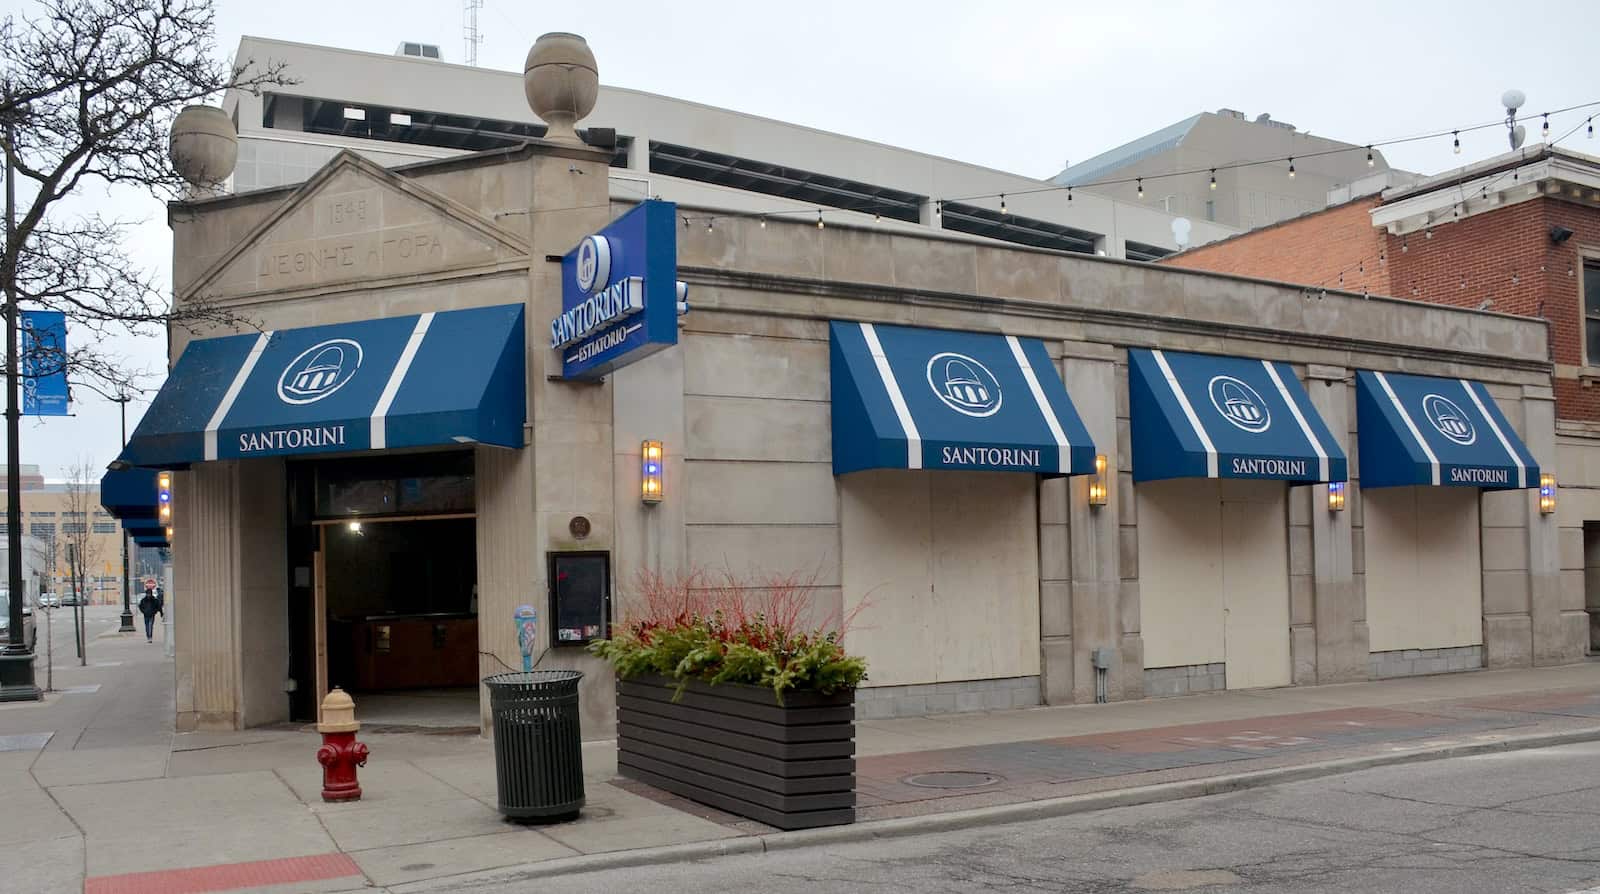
49,600
30,630
70,599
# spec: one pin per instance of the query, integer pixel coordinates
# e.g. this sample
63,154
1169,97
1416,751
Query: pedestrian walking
148,606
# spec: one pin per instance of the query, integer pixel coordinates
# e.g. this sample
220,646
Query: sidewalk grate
953,779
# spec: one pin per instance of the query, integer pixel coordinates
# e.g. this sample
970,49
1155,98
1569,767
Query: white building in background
1205,147
403,108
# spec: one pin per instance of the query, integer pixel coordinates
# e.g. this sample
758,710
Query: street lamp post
127,583
16,660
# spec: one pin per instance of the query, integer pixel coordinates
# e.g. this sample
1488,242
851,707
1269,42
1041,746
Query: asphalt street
1516,821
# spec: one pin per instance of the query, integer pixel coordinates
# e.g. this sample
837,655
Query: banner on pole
44,363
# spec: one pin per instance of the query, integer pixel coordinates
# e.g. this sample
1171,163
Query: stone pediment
356,222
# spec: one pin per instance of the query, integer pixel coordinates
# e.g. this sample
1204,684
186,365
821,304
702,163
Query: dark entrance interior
1591,582
383,560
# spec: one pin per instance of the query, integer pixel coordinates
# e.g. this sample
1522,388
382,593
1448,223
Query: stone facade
1417,662
742,407
955,697
1162,682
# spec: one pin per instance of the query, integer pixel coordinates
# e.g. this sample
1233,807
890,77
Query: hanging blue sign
44,363
619,293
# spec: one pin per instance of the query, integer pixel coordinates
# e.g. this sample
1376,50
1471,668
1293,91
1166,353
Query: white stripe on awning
1305,427
232,394
1411,426
380,432
1188,410
1048,412
1522,470
903,412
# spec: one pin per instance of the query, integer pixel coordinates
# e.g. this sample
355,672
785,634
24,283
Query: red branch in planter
783,600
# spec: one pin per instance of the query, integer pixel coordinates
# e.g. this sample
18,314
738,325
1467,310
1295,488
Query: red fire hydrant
340,753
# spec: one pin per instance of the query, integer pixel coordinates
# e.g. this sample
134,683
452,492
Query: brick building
1516,234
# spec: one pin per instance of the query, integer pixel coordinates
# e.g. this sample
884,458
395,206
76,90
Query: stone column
1509,523
509,569
572,439
263,608
1080,562
205,547
1560,623
1327,609
639,155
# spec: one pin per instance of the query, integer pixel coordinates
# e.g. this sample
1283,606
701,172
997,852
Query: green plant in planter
730,630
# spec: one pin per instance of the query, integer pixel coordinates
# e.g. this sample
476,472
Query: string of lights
1514,173
875,208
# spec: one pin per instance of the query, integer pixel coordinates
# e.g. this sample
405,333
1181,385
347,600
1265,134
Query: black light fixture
1559,234
600,137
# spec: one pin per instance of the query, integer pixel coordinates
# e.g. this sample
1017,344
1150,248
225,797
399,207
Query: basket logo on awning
964,384
1449,419
1240,404
319,371
594,263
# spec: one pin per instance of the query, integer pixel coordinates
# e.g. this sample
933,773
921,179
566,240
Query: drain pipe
1101,659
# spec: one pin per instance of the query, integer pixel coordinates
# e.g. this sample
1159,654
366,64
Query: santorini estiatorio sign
620,295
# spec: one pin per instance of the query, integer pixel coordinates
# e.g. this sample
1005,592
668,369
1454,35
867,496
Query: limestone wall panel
735,493
737,428
808,552
747,366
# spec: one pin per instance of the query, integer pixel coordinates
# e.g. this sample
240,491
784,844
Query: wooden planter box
733,747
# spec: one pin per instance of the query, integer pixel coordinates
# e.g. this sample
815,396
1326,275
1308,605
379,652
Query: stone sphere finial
204,147
562,82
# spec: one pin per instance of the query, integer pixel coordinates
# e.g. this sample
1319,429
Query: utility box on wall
580,597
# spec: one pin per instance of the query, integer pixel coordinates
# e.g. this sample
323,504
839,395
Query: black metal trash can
538,758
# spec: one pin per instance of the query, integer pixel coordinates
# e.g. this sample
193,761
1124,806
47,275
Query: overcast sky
1017,86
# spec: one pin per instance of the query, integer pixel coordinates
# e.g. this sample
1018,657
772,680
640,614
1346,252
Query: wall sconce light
650,472
1336,496
1547,494
164,497
1097,484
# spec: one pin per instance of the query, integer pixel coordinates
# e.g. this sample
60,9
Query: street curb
989,816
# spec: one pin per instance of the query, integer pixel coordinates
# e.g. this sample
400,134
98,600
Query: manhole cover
952,779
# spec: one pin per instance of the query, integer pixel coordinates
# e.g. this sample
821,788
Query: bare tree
88,91
43,549
83,498
83,550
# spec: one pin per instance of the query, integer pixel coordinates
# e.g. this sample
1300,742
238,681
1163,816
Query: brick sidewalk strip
1018,770
226,876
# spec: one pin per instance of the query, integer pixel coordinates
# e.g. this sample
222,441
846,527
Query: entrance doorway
384,556
1591,582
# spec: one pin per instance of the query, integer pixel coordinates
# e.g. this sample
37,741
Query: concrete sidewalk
241,811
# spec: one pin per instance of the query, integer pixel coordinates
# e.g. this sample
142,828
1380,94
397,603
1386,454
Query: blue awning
1204,416
420,380
1426,430
129,493
146,531
907,398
